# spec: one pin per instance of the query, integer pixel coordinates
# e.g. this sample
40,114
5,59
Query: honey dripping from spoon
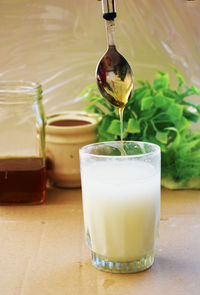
114,76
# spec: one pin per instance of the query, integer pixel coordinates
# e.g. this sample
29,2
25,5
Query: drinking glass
121,204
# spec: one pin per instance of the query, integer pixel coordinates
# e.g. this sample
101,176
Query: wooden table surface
43,250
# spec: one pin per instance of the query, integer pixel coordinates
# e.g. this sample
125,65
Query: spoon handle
108,9
110,28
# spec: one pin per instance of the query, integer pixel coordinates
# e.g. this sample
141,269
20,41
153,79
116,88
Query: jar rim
18,86
19,91
92,119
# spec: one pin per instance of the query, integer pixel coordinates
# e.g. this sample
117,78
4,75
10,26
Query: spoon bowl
115,78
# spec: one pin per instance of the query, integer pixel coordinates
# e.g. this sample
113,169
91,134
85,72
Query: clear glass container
121,204
22,148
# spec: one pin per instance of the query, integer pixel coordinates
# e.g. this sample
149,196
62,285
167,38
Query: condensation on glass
22,148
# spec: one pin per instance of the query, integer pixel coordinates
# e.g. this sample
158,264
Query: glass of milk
121,204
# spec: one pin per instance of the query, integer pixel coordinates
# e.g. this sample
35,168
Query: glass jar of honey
22,143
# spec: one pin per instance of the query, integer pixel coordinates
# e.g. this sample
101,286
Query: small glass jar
22,148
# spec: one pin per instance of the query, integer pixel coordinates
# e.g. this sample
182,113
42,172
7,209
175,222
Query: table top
43,250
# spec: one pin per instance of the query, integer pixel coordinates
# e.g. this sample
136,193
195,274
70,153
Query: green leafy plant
159,114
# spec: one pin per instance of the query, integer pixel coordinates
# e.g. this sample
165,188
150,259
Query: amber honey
22,180
69,123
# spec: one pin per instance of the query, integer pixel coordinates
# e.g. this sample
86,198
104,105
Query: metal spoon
114,75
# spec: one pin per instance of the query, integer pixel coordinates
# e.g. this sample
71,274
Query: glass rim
83,149
22,86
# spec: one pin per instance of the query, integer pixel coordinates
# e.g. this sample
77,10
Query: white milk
121,208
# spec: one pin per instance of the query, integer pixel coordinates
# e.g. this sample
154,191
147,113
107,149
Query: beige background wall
58,43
